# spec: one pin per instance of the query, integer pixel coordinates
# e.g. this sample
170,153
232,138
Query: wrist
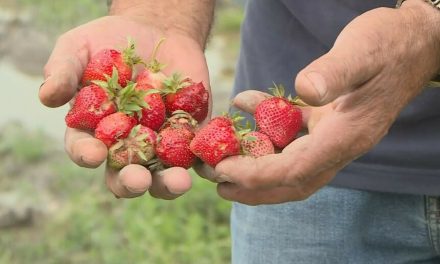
192,20
425,17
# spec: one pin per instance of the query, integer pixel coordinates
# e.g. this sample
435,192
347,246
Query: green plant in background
23,145
229,20
54,17
80,221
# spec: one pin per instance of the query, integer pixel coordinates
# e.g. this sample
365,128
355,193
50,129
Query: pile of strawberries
152,119
278,120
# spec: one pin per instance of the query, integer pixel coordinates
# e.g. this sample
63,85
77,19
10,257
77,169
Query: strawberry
181,119
92,103
144,103
151,79
153,113
256,144
136,148
173,147
114,127
216,141
152,76
279,118
186,95
101,65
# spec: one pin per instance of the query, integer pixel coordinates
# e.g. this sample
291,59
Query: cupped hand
378,64
63,73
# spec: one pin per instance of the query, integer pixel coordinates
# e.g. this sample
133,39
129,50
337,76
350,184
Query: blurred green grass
55,17
89,225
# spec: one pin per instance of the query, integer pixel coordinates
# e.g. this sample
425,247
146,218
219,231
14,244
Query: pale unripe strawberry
137,148
152,76
256,144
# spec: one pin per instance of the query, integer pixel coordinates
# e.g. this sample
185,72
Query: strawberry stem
154,65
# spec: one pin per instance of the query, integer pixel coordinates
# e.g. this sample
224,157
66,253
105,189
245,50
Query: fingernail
44,82
175,192
223,178
134,190
318,83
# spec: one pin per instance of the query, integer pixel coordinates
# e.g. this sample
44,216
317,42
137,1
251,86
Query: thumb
63,71
336,73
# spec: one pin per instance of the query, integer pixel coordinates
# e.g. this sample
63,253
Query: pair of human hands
356,91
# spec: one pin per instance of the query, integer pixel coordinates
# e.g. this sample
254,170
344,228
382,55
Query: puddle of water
19,102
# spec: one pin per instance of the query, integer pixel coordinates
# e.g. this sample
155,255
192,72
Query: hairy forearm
190,17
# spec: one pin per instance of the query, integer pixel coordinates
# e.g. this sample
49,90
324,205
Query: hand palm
63,72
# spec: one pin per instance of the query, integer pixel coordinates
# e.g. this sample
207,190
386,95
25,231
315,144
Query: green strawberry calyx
278,90
174,83
180,117
129,54
134,144
111,85
131,100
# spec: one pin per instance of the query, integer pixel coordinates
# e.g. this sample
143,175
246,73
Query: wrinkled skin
378,64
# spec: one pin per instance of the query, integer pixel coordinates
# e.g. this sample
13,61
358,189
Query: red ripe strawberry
101,65
153,114
92,103
152,76
186,95
216,141
279,118
256,144
173,147
114,127
137,148
151,79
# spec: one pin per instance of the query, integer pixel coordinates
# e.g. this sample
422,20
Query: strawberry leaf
134,131
129,54
142,155
117,145
277,90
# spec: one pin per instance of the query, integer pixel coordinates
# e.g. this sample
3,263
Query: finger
170,183
63,71
207,172
132,181
299,192
260,173
252,173
233,192
336,73
248,100
84,149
